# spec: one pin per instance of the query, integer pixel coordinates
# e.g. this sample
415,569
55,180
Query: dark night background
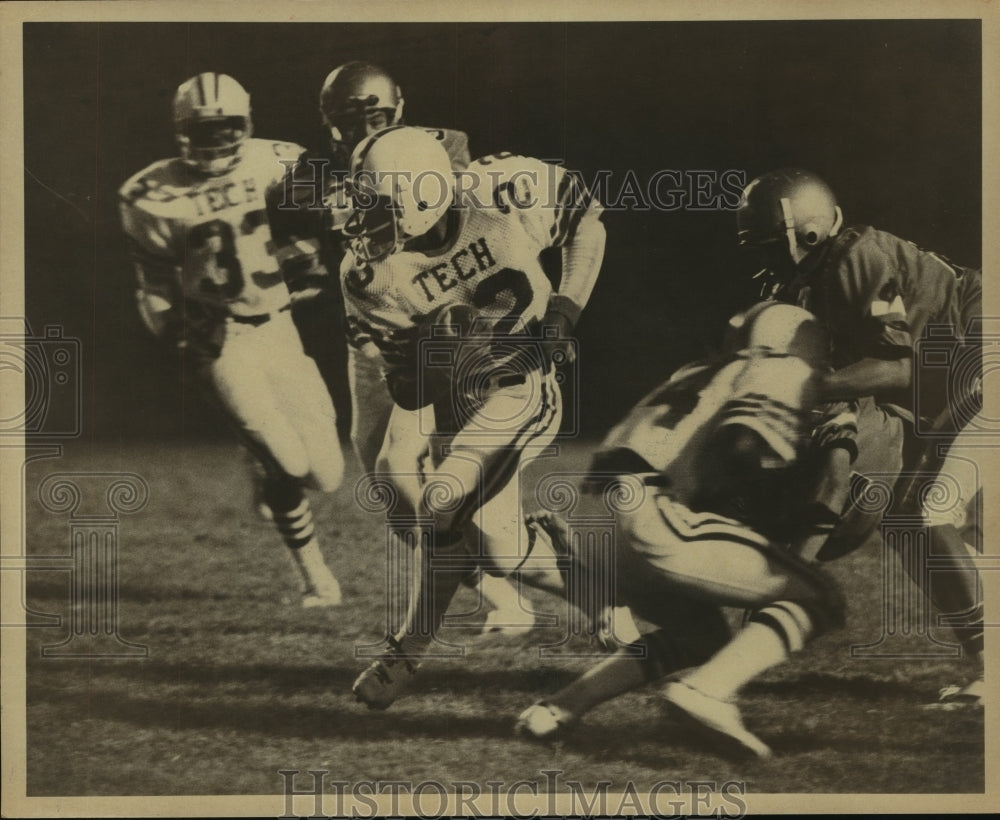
887,111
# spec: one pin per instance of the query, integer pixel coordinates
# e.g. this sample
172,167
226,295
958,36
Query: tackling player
210,284
431,248
876,294
735,505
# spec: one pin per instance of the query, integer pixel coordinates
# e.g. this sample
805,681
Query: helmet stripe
216,85
201,90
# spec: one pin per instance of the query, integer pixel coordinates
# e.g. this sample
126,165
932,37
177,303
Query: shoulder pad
456,143
158,183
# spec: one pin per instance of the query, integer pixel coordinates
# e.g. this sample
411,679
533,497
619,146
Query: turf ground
240,682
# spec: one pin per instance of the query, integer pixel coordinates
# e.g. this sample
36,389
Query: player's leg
792,603
696,631
305,402
880,459
241,386
955,592
462,481
509,546
371,406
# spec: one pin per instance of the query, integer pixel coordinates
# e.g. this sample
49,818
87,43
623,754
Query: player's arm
398,350
565,215
868,287
834,449
296,211
158,291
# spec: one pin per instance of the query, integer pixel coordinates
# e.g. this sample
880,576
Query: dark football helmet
358,99
785,215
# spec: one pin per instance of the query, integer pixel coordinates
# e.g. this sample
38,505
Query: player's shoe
961,697
544,721
386,679
322,595
508,622
721,719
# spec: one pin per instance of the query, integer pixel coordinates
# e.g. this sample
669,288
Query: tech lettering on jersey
230,194
443,276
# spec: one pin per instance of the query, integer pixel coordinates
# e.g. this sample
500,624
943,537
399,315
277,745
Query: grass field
240,682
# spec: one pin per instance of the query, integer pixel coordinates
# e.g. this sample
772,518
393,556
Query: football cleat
960,697
507,621
544,721
319,586
326,594
721,719
386,679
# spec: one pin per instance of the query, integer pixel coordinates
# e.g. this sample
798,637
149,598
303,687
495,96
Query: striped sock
773,633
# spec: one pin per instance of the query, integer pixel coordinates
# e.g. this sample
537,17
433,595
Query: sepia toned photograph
458,411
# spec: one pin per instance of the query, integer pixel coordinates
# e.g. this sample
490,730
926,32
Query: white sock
308,560
774,633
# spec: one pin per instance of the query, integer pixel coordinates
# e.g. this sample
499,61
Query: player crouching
735,497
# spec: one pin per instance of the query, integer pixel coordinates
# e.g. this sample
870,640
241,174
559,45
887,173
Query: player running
735,497
211,285
460,253
307,212
877,294
309,209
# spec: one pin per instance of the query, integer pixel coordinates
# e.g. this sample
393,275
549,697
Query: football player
210,283
307,212
432,250
735,506
876,294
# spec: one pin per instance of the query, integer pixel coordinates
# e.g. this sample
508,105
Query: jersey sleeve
297,212
873,304
148,238
149,243
558,211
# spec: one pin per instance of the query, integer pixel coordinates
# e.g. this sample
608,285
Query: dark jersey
878,294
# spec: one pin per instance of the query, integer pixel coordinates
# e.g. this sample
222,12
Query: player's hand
559,349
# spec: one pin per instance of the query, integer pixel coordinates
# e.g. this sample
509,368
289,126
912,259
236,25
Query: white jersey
206,238
509,209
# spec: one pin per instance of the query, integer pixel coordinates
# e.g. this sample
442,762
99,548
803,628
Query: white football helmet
401,183
212,122
775,329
